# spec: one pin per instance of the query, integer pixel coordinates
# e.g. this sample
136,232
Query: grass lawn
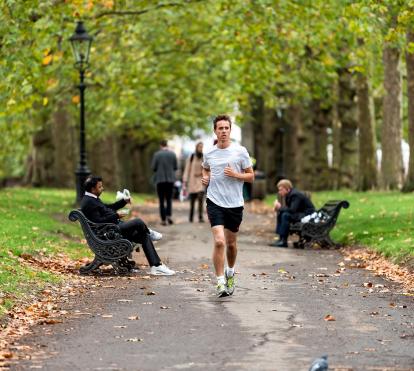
34,222
382,221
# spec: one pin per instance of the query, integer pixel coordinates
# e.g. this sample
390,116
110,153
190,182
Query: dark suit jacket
98,212
298,205
164,164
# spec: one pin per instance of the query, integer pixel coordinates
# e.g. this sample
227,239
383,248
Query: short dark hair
163,143
221,118
91,182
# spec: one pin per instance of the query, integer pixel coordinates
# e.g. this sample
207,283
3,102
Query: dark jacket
164,164
98,212
298,205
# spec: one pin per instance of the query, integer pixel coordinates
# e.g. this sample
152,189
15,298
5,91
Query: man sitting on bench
134,230
297,206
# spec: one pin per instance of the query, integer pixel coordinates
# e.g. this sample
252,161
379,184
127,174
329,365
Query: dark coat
164,164
98,212
298,205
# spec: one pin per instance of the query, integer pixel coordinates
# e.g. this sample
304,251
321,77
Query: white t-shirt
223,190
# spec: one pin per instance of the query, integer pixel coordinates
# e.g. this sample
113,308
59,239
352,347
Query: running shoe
161,270
154,235
230,283
221,291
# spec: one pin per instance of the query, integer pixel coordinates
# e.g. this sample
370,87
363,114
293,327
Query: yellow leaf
47,60
45,101
76,99
108,4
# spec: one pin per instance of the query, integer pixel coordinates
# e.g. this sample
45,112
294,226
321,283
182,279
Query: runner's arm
247,176
206,176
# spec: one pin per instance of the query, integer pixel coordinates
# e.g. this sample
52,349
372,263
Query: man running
226,167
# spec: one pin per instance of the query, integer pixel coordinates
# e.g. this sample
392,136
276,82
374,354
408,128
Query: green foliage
382,221
160,68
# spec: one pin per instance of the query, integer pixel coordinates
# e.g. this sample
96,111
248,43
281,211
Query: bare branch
143,11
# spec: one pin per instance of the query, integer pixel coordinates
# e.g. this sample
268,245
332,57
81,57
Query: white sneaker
154,235
161,270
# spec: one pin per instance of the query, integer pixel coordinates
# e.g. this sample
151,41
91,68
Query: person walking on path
192,181
225,167
164,165
134,230
297,207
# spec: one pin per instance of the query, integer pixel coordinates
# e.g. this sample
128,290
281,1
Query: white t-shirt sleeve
246,162
205,164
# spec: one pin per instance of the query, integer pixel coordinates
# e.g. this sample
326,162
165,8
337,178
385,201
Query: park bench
314,232
107,243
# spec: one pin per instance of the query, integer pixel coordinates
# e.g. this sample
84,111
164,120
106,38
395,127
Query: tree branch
143,11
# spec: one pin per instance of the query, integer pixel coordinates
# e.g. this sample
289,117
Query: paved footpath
276,319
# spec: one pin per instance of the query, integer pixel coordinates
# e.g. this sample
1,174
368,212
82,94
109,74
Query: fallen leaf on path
133,318
150,293
329,317
50,321
147,303
125,300
367,284
120,326
164,307
133,340
200,290
204,266
106,316
374,313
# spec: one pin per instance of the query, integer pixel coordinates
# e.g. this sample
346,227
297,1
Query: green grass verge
382,221
34,221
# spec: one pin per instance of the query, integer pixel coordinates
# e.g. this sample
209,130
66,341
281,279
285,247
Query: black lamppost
81,46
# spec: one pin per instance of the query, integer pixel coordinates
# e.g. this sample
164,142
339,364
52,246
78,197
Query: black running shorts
230,217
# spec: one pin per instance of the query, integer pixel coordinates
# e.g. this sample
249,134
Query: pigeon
319,364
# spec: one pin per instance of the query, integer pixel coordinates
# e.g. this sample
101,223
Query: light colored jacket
193,173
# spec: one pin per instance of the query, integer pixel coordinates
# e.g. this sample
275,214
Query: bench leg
119,268
91,267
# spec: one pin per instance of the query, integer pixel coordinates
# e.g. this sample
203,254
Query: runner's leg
218,251
231,247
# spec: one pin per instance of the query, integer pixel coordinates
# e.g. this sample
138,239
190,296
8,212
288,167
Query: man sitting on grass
134,230
297,206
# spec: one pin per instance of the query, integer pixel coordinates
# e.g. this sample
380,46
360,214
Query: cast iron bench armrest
106,242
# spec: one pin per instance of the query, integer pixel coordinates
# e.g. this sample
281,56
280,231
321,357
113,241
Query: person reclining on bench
297,206
134,230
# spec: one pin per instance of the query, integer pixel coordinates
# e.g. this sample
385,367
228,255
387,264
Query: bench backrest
104,239
332,209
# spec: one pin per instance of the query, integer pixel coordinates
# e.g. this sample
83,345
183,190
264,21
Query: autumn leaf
329,318
133,340
133,318
76,99
106,316
47,60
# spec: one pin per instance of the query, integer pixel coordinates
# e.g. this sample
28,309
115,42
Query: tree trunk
292,148
52,156
409,60
103,161
306,155
391,164
347,112
320,170
336,144
367,170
